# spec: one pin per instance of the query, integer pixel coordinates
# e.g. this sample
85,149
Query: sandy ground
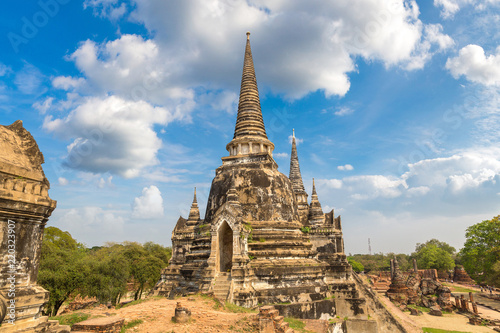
157,313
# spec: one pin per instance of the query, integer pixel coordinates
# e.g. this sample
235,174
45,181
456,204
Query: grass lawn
71,319
437,330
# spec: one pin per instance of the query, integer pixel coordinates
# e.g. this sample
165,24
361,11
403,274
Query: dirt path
408,323
157,313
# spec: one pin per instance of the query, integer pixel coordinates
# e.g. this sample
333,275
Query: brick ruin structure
260,241
420,287
461,276
25,207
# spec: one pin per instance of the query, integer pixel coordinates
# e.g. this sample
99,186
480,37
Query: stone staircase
222,286
271,322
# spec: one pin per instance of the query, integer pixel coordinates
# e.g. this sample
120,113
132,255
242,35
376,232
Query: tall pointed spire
316,215
249,133
295,176
249,121
194,212
297,184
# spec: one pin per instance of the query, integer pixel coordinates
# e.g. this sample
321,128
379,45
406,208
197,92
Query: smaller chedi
25,207
461,276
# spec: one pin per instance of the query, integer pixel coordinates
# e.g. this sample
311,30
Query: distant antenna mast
369,247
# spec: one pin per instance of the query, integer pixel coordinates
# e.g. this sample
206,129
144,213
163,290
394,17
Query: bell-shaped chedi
25,207
252,246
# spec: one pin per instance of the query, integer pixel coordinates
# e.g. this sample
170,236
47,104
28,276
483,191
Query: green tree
480,255
109,272
442,245
431,256
61,267
356,266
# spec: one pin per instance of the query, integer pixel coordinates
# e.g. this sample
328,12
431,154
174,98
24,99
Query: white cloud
472,63
281,155
3,69
29,80
165,175
67,82
288,61
44,106
90,223
331,183
102,183
450,7
297,140
149,205
460,175
346,167
435,198
107,8
374,186
133,69
344,111
111,135
63,181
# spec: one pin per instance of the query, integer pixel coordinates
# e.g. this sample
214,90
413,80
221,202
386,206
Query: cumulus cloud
450,7
472,63
346,167
67,82
318,56
149,205
111,135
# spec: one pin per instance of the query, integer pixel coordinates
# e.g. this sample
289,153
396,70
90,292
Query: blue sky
395,105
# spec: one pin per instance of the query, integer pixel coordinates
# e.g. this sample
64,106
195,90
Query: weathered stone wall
265,194
24,210
386,322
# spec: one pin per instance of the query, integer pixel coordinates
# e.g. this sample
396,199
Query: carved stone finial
248,35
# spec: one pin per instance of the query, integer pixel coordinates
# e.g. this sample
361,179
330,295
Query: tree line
68,268
480,255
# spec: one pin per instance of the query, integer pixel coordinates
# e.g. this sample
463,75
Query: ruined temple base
101,325
39,325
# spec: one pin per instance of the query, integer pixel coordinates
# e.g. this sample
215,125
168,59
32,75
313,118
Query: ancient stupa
260,241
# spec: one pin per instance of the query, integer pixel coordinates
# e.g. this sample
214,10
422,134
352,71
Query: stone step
274,313
221,287
283,327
